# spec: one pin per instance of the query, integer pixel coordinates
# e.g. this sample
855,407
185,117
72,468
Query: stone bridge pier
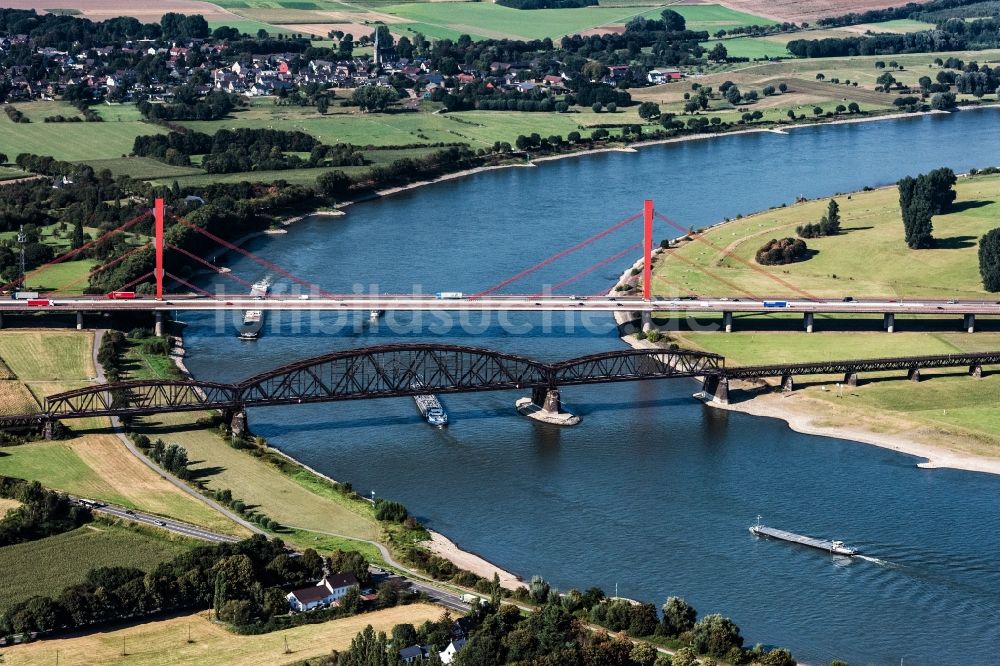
545,405
236,419
716,387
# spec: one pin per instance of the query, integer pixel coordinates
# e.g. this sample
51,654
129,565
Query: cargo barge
253,320
429,406
834,547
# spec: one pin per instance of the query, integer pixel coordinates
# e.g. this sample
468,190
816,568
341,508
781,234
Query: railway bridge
398,370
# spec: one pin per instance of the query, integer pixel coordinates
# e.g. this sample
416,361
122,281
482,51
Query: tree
733,95
678,616
938,185
3,158
768,90
649,110
684,657
718,53
644,620
403,635
596,107
854,107
373,98
77,241
989,260
643,654
673,21
943,101
322,104
886,80
612,107
715,635
783,87
538,590
830,224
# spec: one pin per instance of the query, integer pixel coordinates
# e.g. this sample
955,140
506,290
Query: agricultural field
807,10
36,355
46,566
15,398
165,642
871,220
102,10
70,141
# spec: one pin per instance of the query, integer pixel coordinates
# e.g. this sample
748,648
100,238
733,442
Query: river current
653,492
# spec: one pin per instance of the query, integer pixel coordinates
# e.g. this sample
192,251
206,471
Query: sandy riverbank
446,548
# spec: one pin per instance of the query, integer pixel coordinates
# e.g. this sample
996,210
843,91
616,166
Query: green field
450,19
69,277
46,566
871,220
143,168
70,141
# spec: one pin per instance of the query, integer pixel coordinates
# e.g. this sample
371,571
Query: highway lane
512,303
169,524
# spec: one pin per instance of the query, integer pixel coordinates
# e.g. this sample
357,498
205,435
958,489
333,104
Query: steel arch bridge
380,372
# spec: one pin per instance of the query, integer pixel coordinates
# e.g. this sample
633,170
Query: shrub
779,252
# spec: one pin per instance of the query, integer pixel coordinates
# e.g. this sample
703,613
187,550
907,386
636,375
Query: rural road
169,524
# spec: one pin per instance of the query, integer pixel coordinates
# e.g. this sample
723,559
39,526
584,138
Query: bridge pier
158,325
1,320
808,319
913,374
79,321
236,419
976,371
787,383
889,322
969,323
717,387
851,379
647,322
48,430
727,321
545,405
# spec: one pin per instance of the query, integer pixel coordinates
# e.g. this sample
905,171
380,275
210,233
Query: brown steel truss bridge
411,369
379,372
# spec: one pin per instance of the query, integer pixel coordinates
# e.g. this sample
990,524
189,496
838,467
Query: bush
390,511
785,251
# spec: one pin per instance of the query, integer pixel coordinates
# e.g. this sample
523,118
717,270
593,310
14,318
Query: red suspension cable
210,265
187,284
558,255
249,255
102,267
599,264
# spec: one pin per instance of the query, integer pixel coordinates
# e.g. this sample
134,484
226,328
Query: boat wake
875,560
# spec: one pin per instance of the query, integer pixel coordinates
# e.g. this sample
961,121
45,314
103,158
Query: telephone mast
22,240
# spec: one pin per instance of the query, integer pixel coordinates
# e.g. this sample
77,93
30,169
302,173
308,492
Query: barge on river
253,320
429,406
833,547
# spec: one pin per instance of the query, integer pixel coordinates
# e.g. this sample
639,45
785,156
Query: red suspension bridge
313,297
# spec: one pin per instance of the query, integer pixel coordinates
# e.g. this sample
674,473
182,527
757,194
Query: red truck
121,295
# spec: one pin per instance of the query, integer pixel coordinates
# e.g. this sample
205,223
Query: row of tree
828,225
189,105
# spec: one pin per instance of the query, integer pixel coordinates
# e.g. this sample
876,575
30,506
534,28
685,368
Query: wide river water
653,492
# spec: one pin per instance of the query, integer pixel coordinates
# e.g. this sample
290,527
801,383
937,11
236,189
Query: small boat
429,406
373,315
833,547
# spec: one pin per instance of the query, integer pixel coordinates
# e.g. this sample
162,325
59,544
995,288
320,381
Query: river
653,492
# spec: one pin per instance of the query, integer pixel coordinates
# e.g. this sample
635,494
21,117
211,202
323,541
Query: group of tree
41,513
828,225
229,151
556,633
15,114
390,511
242,582
920,199
188,104
778,252
374,98
171,457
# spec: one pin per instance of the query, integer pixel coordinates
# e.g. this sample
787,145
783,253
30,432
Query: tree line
188,105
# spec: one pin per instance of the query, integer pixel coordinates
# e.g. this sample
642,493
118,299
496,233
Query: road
508,303
169,524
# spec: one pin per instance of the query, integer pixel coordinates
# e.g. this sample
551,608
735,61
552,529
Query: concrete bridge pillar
548,399
913,374
787,383
158,326
1,320
79,321
647,322
545,405
976,371
48,428
236,420
727,321
808,319
889,322
718,388
969,323
851,379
